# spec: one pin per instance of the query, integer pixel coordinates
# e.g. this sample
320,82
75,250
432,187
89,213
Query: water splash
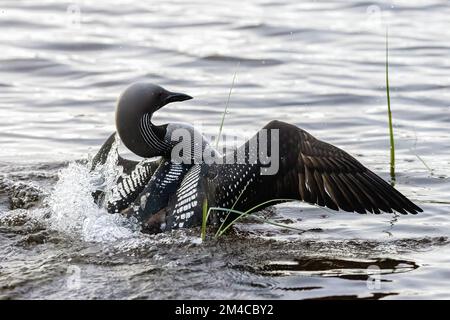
105,175
73,209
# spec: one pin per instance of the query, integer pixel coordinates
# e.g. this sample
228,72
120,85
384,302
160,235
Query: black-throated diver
171,194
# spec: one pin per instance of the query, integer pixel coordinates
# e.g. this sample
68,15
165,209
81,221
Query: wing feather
320,173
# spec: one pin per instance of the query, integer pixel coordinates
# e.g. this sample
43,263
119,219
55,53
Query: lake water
317,64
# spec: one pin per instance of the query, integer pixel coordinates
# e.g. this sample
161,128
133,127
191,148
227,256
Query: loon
165,194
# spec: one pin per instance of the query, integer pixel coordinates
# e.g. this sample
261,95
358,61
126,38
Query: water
319,65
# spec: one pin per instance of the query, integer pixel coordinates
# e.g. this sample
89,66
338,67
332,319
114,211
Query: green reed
226,106
391,130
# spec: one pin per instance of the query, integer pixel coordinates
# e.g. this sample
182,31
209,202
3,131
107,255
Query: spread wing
320,173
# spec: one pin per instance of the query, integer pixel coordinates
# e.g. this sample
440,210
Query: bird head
138,100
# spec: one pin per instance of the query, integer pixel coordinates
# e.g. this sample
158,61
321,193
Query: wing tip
410,208
416,210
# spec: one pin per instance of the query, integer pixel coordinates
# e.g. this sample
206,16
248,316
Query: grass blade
222,230
234,204
245,214
226,106
205,215
391,130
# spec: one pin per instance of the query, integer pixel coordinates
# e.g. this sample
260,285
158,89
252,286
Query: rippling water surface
317,64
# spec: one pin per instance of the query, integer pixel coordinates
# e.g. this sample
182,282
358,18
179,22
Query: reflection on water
319,65
348,269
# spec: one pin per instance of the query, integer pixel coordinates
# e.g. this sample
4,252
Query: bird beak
175,96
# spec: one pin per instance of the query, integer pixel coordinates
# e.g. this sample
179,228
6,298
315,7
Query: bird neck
154,136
